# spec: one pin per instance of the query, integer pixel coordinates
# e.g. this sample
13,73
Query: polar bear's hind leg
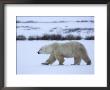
87,59
77,61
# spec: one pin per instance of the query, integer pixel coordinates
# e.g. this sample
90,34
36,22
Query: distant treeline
53,37
27,27
86,21
53,21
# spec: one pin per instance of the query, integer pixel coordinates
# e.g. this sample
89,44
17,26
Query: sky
54,18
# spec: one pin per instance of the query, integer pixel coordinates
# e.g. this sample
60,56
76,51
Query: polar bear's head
45,50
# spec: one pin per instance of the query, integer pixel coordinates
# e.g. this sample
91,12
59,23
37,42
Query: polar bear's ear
40,49
53,51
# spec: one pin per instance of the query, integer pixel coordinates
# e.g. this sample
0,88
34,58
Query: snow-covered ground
29,62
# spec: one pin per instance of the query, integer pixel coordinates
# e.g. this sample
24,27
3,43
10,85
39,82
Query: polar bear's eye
41,49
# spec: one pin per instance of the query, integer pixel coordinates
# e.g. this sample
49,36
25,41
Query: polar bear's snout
38,52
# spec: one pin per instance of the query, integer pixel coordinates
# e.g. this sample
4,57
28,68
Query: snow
29,62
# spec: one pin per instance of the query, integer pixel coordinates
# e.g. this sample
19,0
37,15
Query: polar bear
59,51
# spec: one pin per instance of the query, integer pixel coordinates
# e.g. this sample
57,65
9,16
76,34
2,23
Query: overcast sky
54,18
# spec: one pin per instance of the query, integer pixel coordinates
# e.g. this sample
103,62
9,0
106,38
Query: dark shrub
92,21
45,37
32,38
78,37
71,37
18,21
89,38
54,37
38,38
20,37
29,21
50,37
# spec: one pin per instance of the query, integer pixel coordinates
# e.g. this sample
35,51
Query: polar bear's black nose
38,52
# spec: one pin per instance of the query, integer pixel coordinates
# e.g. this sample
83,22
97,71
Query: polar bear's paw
44,63
61,64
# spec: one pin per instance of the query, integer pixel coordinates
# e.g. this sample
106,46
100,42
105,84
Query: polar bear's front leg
60,59
51,60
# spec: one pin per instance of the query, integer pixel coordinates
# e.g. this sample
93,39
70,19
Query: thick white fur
59,51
